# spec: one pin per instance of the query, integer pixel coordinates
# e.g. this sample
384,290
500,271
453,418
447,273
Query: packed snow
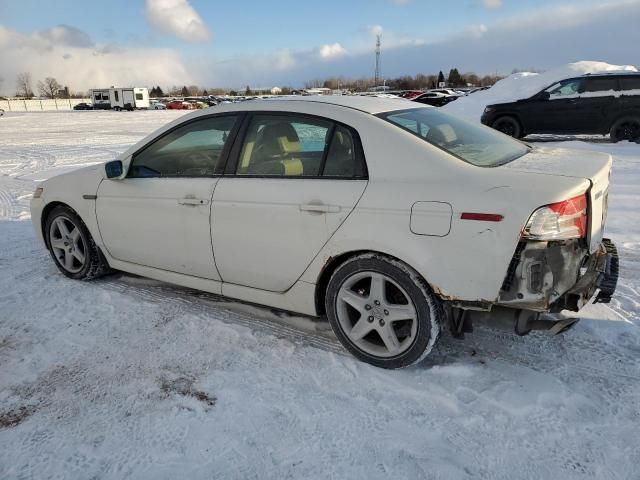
126,377
525,84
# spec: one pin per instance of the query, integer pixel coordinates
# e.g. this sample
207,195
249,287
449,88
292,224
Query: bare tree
23,85
49,88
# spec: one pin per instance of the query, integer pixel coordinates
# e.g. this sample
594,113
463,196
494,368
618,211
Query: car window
192,150
343,159
284,146
562,89
472,143
599,85
630,83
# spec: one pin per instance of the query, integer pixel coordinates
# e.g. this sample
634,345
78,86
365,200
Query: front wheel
509,126
627,128
71,246
382,311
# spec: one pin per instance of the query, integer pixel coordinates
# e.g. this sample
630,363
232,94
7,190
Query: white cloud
74,60
376,30
332,51
177,17
491,3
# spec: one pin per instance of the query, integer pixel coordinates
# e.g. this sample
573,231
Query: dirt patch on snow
16,416
184,386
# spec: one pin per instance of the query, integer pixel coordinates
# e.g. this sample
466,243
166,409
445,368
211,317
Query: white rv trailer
120,98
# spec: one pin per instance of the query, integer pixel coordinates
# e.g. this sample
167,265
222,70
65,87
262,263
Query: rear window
600,84
470,142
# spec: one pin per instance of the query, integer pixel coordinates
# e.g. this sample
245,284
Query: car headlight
38,192
488,109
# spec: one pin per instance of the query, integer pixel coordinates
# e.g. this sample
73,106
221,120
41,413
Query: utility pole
377,74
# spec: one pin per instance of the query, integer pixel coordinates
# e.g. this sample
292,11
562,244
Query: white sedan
392,219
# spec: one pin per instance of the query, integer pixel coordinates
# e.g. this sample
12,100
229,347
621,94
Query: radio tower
377,75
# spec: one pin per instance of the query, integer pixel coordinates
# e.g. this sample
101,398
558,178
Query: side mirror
544,96
113,169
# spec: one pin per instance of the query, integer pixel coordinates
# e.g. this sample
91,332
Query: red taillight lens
559,221
573,211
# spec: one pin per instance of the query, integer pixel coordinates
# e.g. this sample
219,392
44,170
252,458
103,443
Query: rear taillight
559,221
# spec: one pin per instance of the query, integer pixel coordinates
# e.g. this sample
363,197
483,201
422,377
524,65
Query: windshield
475,144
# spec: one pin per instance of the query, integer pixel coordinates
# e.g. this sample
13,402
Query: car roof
367,104
612,73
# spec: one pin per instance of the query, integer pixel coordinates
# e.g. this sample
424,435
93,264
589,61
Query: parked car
478,89
588,104
349,207
158,106
447,91
180,105
83,106
411,94
434,99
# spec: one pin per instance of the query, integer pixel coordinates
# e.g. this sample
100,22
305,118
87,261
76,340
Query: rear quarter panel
470,262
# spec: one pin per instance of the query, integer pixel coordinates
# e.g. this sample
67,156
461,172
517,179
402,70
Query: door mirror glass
113,169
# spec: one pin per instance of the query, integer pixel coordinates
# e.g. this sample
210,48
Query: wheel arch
334,262
48,208
634,113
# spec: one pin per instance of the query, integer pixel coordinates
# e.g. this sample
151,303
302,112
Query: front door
158,216
293,181
559,112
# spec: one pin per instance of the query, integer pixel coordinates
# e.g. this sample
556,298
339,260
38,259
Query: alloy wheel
376,314
67,244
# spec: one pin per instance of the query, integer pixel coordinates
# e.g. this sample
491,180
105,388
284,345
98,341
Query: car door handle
319,208
190,201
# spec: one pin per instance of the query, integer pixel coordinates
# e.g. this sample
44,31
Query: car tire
382,311
71,246
509,126
626,128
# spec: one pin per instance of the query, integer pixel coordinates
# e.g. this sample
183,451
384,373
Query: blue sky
214,43
250,27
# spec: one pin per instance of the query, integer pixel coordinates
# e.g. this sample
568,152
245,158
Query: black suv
589,104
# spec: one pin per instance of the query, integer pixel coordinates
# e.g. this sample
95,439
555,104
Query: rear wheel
71,246
509,126
627,128
382,312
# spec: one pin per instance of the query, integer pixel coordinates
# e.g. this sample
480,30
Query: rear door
629,95
598,100
293,180
158,216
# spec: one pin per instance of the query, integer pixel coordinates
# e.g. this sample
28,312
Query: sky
86,44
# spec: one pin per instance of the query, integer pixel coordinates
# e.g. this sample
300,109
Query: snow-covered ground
130,378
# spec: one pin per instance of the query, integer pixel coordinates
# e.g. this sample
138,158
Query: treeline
49,87
408,82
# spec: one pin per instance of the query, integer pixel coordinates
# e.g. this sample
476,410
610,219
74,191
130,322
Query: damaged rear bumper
555,276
